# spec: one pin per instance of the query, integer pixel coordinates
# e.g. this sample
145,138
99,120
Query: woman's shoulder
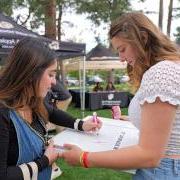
163,69
166,64
161,80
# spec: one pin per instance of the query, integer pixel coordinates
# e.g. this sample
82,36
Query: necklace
23,116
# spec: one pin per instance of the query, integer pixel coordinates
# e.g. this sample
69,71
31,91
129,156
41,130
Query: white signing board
114,134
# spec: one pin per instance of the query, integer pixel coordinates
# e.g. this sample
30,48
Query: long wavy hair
131,27
20,77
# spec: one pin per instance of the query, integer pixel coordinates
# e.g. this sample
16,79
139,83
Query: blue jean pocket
169,169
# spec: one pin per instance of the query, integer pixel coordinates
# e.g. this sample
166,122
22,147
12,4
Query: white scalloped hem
152,99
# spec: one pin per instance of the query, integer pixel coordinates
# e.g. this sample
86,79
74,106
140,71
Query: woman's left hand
71,154
89,125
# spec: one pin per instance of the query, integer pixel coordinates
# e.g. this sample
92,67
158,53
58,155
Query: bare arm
157,119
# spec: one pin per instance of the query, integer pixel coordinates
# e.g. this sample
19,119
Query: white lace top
161,80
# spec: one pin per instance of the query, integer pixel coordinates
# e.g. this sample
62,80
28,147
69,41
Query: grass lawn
78,173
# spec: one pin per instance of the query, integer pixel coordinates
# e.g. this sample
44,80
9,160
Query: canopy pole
81,89
83,85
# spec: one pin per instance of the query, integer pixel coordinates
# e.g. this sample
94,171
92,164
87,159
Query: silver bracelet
76,123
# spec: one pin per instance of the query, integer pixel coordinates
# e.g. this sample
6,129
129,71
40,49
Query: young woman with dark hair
24,82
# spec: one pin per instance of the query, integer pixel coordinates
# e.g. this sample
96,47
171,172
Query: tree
62,6
176,10
169,17
177,15
52,22
50,18
177,35
6,6
104,10
161,14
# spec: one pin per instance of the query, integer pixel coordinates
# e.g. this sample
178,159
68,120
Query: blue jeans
169,169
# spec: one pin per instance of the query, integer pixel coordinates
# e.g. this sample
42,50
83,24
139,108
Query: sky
81,30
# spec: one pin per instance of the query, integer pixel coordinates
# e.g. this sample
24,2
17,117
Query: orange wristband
85,159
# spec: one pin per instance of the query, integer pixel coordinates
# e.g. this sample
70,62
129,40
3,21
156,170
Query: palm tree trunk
59,22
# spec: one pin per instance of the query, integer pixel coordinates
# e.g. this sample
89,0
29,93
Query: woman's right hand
51,153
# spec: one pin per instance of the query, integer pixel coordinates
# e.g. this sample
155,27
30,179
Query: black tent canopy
69,50
100,52
11,33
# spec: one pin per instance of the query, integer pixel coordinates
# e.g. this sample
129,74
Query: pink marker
116,112
95,117
95,120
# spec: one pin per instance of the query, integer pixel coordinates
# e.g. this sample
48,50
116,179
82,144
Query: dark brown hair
20,78
131,27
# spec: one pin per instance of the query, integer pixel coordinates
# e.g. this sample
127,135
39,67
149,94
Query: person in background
64,97
110,86
24,82
97,87
60,98
154,68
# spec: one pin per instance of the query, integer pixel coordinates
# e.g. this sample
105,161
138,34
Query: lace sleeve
161,80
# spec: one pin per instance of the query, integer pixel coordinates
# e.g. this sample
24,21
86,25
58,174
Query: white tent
98,58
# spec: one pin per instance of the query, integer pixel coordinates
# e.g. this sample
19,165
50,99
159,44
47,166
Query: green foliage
177,35
65,3
78,173
6,6
36,7
101,112
74,74
103,10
